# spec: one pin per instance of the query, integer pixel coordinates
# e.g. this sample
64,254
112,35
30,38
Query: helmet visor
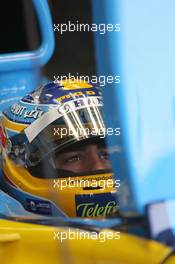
63,126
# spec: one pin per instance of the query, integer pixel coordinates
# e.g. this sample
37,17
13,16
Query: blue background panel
143,54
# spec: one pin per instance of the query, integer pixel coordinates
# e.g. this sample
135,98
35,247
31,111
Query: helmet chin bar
45,170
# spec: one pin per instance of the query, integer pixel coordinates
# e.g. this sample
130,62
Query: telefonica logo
94,209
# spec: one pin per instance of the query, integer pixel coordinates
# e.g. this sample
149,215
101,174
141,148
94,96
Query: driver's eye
73,158
104,155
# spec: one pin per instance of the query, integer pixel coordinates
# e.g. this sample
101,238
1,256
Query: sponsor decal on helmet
20,110
39,207
3,139
74,95
74,85
96,205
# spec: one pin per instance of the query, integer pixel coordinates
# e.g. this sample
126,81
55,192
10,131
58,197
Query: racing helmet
43,125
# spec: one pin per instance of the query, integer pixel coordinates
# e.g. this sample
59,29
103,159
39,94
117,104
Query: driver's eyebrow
82,148
102,147
72,150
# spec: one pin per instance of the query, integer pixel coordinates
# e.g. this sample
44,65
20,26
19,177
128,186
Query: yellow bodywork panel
38,244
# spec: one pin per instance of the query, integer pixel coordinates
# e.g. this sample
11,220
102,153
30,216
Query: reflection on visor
73,126
40,124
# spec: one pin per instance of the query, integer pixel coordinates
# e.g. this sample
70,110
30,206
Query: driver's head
57,133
